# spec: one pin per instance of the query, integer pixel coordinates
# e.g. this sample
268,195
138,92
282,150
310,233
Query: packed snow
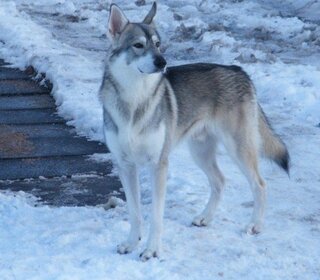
276,42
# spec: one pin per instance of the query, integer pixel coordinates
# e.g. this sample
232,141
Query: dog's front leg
129,179
159,177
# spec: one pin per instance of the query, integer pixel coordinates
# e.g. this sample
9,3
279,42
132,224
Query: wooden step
12,169
12,74
33,116
26,102
19,146
39,130
21,87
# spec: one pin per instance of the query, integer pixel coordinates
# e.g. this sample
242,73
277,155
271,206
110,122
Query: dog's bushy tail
272,146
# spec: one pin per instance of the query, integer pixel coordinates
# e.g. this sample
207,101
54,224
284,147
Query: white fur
143,39
136,85
155,39
129,144
145,64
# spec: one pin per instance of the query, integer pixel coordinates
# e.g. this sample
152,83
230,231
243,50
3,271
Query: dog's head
137,44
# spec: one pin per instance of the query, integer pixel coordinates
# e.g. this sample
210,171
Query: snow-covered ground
276,42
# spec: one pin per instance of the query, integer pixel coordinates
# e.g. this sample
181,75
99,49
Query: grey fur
216,88
149,17
109,84
123,107
157,117
140,111
143,108
108,121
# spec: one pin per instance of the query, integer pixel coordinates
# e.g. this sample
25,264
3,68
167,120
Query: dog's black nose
159,62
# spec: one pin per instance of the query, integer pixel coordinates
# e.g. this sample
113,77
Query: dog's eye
138,45
157,44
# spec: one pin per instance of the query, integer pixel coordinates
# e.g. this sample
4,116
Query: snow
276,42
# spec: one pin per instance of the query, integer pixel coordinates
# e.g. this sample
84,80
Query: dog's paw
253,228
200,221
125,248
147,254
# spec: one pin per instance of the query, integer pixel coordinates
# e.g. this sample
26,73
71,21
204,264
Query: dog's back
208,92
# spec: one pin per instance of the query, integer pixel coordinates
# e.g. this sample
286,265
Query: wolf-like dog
149,108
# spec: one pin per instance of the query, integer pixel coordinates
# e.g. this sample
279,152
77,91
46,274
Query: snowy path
281,52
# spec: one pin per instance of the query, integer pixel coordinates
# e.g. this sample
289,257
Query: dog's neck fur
135,87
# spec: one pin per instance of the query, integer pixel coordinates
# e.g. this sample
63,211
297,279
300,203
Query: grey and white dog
149,108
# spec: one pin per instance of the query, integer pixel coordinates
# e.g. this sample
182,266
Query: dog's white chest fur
139,148
129,141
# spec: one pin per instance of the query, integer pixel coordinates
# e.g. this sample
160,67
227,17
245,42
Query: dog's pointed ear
117,21
149,18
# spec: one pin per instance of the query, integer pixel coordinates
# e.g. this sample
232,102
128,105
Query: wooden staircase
40,154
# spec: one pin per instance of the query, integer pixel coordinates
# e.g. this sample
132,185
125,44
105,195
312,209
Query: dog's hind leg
243,149
129,179
203,151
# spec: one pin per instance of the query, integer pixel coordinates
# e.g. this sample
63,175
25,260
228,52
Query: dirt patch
14,144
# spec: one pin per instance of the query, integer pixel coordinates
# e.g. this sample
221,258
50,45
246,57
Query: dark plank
19,145
12,169
18,87
26,102
74,191
38,130
12,74
30,116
